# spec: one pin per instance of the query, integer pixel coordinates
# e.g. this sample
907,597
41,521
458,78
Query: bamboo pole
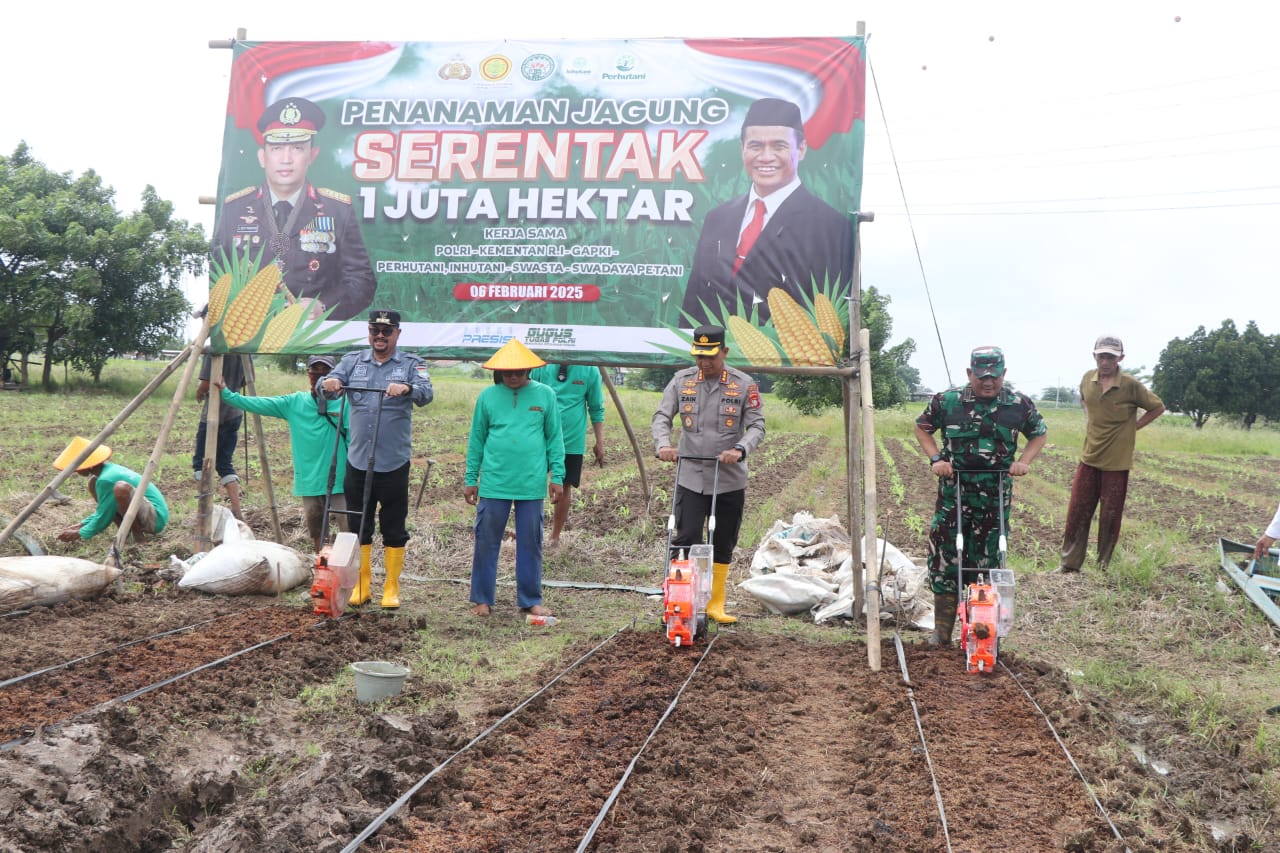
631,434
871,571
262,452
204,505
157,451
102,436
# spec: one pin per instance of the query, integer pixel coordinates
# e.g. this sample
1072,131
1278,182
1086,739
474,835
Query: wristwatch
742,450
935,458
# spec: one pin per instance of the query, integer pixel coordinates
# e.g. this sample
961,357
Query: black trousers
692,511
389,496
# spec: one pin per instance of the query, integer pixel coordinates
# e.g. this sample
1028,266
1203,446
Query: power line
1090,211
1103,147
906,208
1099,197
1096,162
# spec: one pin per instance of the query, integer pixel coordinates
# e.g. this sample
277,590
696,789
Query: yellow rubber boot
360,595
391,587
715,607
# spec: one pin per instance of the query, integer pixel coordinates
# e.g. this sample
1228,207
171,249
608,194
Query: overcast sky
1071,169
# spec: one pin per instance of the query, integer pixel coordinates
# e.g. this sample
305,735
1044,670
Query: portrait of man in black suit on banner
778,234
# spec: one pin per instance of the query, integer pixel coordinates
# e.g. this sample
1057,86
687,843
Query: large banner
599,200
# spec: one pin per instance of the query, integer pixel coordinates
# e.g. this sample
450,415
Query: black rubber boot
944,618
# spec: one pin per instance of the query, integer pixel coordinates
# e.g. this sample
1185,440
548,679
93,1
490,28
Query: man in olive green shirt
1111,399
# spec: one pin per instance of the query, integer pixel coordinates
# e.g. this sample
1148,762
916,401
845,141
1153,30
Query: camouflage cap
987,361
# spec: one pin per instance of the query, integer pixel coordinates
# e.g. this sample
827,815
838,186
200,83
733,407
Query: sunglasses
381,331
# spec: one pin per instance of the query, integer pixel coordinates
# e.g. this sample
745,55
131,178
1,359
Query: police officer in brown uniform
310,231
720,416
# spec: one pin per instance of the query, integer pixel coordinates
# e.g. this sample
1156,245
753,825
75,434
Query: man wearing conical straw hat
515,442
111,486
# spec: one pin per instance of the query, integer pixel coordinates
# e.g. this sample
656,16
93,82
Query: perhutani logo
552,336
494,68
537,67
579,66
626,69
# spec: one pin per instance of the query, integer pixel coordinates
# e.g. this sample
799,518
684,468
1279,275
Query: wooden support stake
102,436
157,451
204,505
262,453
871,570
631,436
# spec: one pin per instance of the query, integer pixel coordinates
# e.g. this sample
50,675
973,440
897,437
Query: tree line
81,282
1225,372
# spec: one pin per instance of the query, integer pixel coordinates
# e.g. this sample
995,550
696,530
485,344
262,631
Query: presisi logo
486,335
553,336
494,68
538,67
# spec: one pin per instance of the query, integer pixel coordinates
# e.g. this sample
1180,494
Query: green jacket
104,488
515,441
579,394
311,436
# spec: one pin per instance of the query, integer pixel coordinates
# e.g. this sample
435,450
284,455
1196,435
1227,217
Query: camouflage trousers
981,519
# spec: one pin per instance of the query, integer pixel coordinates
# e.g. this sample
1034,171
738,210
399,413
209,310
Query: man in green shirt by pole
515,442
112,486
314,426
579,393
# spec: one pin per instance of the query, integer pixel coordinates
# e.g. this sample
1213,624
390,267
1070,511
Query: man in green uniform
112,487
314,426
515,441
978,426
578,391
720,416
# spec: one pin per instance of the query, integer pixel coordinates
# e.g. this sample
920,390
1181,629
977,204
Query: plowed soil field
242,733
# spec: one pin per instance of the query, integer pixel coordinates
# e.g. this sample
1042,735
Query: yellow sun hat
513,356
99,455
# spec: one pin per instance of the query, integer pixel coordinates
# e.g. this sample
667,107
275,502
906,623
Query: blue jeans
228,433
491,523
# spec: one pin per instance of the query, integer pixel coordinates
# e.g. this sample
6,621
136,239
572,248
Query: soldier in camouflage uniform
310,232
979,426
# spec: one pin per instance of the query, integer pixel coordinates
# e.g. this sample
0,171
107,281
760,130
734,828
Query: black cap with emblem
290,120
707,340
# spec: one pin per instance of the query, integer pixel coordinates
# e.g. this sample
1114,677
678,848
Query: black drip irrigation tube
617,789
400,803
9,745
911,697
1096,802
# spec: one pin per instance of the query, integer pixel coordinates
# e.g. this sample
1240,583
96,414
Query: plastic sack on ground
806,565
246,568
31,581
226,528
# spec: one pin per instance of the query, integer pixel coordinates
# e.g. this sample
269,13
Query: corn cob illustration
247,312
753,344
801,341
828,320
218,298
282,327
